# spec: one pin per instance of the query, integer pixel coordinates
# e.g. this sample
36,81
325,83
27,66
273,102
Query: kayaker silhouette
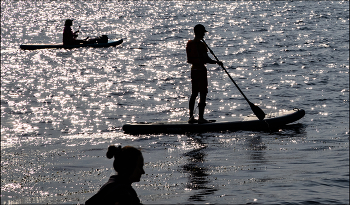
70,37
128,162
197,55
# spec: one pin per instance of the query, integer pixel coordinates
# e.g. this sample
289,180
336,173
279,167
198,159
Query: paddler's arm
77,31
195,57
211,61
196,60
205,58
75,34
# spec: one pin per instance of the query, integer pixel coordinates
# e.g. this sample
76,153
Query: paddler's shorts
199,81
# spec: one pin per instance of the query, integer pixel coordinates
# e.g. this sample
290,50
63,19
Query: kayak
251,122
60,45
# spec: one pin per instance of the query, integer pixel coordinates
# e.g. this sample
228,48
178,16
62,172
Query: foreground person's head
128,162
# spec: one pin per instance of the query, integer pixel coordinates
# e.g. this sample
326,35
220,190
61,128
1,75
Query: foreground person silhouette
128,162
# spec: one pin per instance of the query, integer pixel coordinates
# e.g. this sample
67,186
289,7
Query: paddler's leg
192,102
203,96
194,94
191,106
201,107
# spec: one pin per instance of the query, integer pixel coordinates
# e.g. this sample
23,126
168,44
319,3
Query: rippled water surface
60,109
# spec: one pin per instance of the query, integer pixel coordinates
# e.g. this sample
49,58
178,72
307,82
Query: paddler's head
69,22
199,31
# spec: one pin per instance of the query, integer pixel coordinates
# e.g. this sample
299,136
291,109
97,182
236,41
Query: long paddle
257,111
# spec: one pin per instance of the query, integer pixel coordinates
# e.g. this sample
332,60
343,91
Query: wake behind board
251,122
60,45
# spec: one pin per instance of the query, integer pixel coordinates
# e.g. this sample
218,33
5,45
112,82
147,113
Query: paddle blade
257,111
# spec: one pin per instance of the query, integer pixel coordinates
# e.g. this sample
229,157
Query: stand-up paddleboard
251,122
60,45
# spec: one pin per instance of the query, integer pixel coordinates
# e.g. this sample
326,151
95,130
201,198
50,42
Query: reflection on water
198,171
258,147
293,130
201,170
257,150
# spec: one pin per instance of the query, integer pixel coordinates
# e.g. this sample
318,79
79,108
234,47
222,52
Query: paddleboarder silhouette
197,55
128,163
70,37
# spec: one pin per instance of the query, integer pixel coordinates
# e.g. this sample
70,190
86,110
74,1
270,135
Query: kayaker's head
128,162
199,31
68,22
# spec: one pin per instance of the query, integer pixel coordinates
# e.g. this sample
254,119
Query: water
60,109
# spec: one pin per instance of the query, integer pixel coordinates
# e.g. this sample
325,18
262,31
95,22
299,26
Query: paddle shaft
227,73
